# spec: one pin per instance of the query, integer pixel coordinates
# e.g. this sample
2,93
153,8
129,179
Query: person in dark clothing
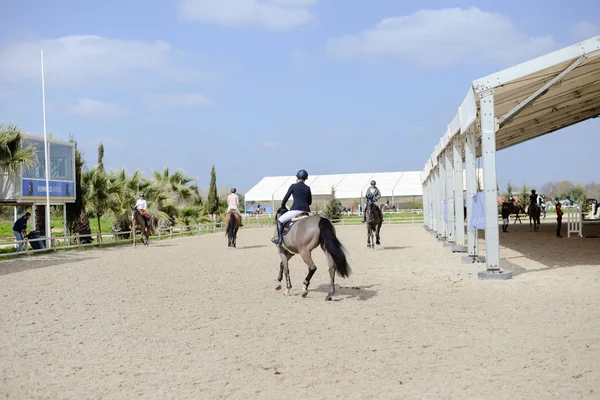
505,216
20,228
302,201
559,214
533,199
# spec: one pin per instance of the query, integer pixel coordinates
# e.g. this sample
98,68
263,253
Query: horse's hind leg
331,279
377,233
312,268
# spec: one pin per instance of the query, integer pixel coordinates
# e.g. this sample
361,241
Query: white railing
116,239
574,221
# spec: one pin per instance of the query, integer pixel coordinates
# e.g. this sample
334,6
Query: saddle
287,227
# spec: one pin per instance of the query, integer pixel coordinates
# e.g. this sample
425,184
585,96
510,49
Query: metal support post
459,224
450,238
471,175
490,198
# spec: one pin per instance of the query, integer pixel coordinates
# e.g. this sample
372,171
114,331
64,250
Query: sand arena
190,318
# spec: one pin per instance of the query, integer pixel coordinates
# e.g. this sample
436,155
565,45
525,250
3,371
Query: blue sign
267,209
35,189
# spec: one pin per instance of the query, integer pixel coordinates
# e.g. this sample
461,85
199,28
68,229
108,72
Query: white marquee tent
347,186
501,110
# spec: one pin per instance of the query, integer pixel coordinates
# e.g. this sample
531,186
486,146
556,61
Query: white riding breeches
289,215
233,208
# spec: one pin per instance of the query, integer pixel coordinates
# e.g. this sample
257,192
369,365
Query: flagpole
47,157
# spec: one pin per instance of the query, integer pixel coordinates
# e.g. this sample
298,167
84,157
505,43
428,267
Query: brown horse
534,216
308,233
232,222
139,222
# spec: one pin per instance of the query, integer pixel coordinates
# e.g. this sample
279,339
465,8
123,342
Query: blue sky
266,87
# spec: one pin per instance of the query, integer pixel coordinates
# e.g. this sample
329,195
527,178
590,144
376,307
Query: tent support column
459,224
490,197
471,175
449,181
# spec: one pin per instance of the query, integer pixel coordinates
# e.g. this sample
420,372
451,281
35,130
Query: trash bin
38,244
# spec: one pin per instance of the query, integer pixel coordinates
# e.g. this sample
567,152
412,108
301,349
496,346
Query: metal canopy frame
501,110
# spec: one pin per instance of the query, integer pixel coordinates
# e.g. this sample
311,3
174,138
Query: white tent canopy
501,110
347,186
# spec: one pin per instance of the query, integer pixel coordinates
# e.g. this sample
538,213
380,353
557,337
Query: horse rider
533,199
141,205
374,191
233,203
302,201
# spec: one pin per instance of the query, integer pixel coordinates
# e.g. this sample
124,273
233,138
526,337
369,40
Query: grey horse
374,220
308,233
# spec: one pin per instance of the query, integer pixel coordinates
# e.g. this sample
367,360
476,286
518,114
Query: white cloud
268,14
443,38
95,109
584,30
86,59
178,100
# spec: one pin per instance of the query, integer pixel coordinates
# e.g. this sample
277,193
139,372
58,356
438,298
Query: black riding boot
279,233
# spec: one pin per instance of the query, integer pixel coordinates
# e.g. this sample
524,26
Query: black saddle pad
287,227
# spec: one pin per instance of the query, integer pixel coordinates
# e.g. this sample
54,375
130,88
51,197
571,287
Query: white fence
116,239
574,221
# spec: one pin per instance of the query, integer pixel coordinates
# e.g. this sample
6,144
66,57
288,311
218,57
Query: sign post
47,156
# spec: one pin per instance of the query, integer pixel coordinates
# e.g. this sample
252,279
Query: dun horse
374,219
232,222
534,216
139,222
306,233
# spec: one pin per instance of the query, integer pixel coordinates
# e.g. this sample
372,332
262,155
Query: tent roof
347,186
534,98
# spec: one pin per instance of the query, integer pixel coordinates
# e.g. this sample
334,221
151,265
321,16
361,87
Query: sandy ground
190,318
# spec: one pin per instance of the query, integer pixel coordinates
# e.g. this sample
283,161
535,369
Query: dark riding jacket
302,197
376,193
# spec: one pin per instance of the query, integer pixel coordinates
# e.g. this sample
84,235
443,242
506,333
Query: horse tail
231,226
330,243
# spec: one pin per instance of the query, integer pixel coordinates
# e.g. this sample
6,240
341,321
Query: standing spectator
505,216
559,214
19,229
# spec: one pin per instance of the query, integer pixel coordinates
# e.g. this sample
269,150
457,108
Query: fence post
171,232
53,243
99,239
77,239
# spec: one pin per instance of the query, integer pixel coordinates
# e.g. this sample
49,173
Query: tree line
171,196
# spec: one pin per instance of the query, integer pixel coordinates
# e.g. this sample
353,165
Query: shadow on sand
546,248
348,292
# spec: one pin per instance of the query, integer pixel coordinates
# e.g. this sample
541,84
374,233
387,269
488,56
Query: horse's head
280,212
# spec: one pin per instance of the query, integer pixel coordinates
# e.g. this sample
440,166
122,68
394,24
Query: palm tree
101,192
131,186
169,191
13,154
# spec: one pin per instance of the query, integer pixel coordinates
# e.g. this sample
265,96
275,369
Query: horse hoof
287,292
304,293
278,287
378,242
328,298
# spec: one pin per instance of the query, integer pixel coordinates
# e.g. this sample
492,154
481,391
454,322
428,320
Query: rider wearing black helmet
302,201
533,199
373,190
